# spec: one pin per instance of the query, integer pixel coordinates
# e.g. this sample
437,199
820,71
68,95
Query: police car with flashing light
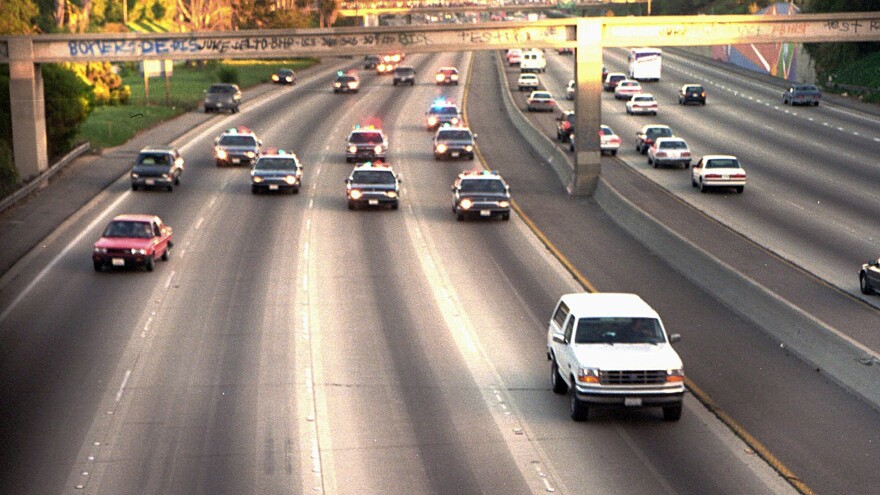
481,193
236,146
366,144
276,170
454,142
442,112
373,184
346,83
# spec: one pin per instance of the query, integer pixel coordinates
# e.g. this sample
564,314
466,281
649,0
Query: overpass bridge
354,9
25,54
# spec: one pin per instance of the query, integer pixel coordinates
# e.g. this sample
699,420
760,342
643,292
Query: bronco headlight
441,148
221,154
275,77
355,194
469,148
465,204
588,375
391,194
290,179
250,154
257,179
504,204
675,376
134,175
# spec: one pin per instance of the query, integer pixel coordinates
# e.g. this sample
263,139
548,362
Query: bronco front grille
633,377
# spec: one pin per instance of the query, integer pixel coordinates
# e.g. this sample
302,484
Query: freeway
291,345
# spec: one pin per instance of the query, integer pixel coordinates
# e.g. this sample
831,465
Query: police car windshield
445,110
232,140
365,137
483,185
457,135
275,164
618,331
153,159
373,177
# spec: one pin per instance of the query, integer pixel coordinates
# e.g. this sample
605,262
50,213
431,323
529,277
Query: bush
68,103
8,172
106,84
226,74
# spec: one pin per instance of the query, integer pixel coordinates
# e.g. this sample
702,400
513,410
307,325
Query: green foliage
68,103
8,172
107,87
226,74
158,10
17,16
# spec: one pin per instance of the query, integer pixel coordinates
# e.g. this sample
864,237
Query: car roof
608,304
135,217
644,96
537,93
373,167
655,126
719,157
158,149
529,75
669,139
447,68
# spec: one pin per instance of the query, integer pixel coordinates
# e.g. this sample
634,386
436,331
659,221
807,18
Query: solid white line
76,240
122,386
168,282
199,222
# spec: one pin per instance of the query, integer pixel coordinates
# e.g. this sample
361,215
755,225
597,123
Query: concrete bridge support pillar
371,20
587,107
28,109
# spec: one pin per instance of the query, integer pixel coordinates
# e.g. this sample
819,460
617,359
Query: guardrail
43,179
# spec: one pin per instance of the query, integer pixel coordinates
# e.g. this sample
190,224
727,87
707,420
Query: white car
718,171
643,103
514,56
528,81
669,151
608,141
626,89
541,101
571,90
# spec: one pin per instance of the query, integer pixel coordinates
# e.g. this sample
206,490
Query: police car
481,193
442,111
276,170
373,184
454,142
366,144
236,146
346,83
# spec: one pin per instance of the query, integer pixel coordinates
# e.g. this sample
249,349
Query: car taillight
615,140
685,153
738,176
661,153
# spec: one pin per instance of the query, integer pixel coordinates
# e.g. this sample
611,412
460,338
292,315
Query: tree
830,57
18,16
68,103
205,15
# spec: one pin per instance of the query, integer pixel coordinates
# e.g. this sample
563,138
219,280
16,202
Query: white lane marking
56,259
122,386
170,278
199,223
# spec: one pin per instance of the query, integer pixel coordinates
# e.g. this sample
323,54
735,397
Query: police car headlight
352,149
290,179
337,85
432,120
355,193
469,148
250,154
166,176
257,179
221,154
289,79
465,204
378,148
275,77
454,120
352,85
441,148
454,77
504,204
440,77
391,194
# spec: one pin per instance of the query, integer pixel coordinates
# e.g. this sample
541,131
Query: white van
611,349
533,61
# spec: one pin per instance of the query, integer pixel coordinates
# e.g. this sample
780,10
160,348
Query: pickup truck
610,349
802,94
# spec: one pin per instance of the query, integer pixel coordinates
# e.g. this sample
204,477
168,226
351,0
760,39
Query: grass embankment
861,78
109,126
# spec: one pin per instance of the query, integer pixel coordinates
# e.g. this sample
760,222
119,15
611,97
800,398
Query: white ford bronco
612,350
